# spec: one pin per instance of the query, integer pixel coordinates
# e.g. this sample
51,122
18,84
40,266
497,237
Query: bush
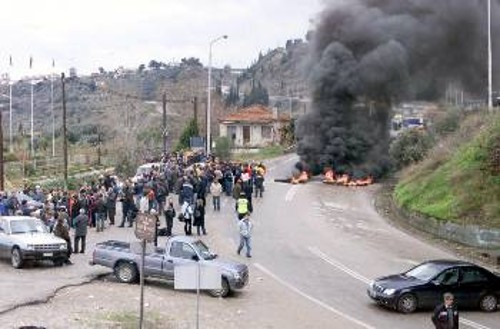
410,147
222,148
447,123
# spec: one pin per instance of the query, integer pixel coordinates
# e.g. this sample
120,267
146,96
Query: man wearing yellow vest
242,206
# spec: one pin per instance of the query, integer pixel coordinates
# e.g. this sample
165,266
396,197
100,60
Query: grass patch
263,154
462,186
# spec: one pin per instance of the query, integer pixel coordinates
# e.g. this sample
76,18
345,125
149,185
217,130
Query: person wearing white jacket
216,191
245,227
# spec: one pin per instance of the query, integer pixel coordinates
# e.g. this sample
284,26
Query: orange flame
345,180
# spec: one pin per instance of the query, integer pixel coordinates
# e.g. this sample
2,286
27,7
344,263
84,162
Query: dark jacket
81,221
441,320
61,231
199,216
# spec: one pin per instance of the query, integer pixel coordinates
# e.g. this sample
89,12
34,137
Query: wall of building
256,138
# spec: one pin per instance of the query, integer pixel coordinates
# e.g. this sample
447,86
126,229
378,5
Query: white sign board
186,277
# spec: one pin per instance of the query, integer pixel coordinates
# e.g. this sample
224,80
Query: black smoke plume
369,54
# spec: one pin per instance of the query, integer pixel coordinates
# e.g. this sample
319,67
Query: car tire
126,272
223,292
488,303
407,303
16,258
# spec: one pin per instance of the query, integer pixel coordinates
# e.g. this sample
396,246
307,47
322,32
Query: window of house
231,132
266,132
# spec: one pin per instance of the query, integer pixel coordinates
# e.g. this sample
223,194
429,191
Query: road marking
312,299
363,279
472,324
291,193
338,265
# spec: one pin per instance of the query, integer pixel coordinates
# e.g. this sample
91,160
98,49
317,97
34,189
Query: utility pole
2,185
490,61
99,148
164,132
195,110
65,134
52,112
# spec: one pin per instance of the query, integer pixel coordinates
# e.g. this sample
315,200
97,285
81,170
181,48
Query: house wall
256,138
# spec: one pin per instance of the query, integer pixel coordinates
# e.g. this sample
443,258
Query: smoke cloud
368,54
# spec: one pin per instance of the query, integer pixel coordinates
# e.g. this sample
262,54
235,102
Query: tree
191,130
191,62
258,95
233,97
102,70
141,68
155,65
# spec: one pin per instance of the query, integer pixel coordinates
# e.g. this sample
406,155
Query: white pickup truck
161,262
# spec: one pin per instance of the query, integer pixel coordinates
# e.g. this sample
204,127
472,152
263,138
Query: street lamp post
490,61
209,106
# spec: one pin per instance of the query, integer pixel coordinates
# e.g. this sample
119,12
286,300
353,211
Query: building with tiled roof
255,126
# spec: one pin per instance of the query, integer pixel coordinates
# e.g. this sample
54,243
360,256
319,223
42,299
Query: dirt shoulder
384,203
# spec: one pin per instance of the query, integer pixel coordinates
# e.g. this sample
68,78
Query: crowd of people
175,188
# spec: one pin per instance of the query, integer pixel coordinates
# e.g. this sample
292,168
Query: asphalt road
326,243
316,247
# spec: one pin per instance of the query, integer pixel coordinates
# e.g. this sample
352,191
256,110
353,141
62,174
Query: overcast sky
88,34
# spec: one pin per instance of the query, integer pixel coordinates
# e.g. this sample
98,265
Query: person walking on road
80,223
216,191
245,227
446,314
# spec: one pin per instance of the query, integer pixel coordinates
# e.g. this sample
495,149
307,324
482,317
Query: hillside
460,179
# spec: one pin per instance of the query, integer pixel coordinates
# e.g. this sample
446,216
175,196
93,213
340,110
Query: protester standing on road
242,206
61,230
100,212
111,205
199,217
144,203
446,314
187,217
169,212
245,227
80,222
154,213
216,191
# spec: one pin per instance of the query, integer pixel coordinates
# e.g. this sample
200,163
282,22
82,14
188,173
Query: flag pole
11,148
32,106
52,110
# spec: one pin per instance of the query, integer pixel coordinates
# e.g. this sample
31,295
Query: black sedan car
424,285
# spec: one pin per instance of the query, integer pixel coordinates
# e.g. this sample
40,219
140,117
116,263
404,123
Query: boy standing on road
446,315
245,227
